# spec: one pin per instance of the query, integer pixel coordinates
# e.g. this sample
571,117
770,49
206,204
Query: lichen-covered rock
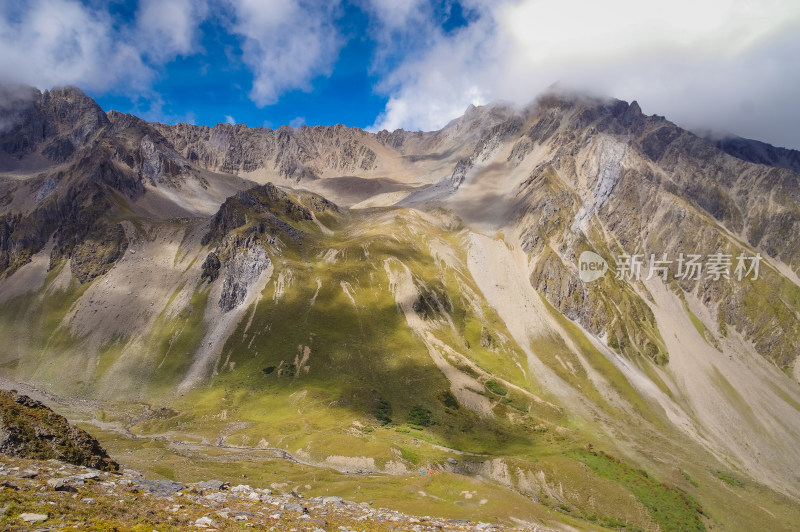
29,429
486,338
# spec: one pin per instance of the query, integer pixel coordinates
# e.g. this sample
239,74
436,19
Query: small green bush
496,387
383,411
689,479
448,400
420,417
729,479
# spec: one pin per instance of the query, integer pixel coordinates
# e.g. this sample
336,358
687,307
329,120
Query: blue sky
727,65
213,84
208,88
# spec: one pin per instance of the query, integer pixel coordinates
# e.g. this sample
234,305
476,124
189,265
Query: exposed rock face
612,180
156,163
98,252
486,148
243,270
211,267
28,429
294,154
245,225
67,199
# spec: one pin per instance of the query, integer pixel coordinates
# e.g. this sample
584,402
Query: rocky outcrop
67,201
267,207
243,270
72,213
486,338
292,153
245,226
211,267
29,429
485,148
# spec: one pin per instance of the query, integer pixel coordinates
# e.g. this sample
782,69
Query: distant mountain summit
759,152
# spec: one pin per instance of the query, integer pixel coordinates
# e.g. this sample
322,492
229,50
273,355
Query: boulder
33,518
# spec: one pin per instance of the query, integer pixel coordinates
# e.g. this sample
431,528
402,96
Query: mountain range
385,303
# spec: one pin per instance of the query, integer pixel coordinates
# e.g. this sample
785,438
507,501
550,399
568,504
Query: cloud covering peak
726,64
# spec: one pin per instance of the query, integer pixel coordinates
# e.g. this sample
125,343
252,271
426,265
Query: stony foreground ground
52,495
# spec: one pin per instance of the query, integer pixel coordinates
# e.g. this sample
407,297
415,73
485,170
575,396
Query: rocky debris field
53,495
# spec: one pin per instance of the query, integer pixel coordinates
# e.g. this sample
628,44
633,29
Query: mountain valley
401,318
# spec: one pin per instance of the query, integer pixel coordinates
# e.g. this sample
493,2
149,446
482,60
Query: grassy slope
360,354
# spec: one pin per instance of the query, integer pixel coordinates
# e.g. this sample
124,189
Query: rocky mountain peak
55,122
71,113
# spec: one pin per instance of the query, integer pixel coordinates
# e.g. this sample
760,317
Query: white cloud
166,29
58,42
403,31
286,43
396,15
400,26
728,64
230,120
13,97
297,121
190,118
455,71
45,43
